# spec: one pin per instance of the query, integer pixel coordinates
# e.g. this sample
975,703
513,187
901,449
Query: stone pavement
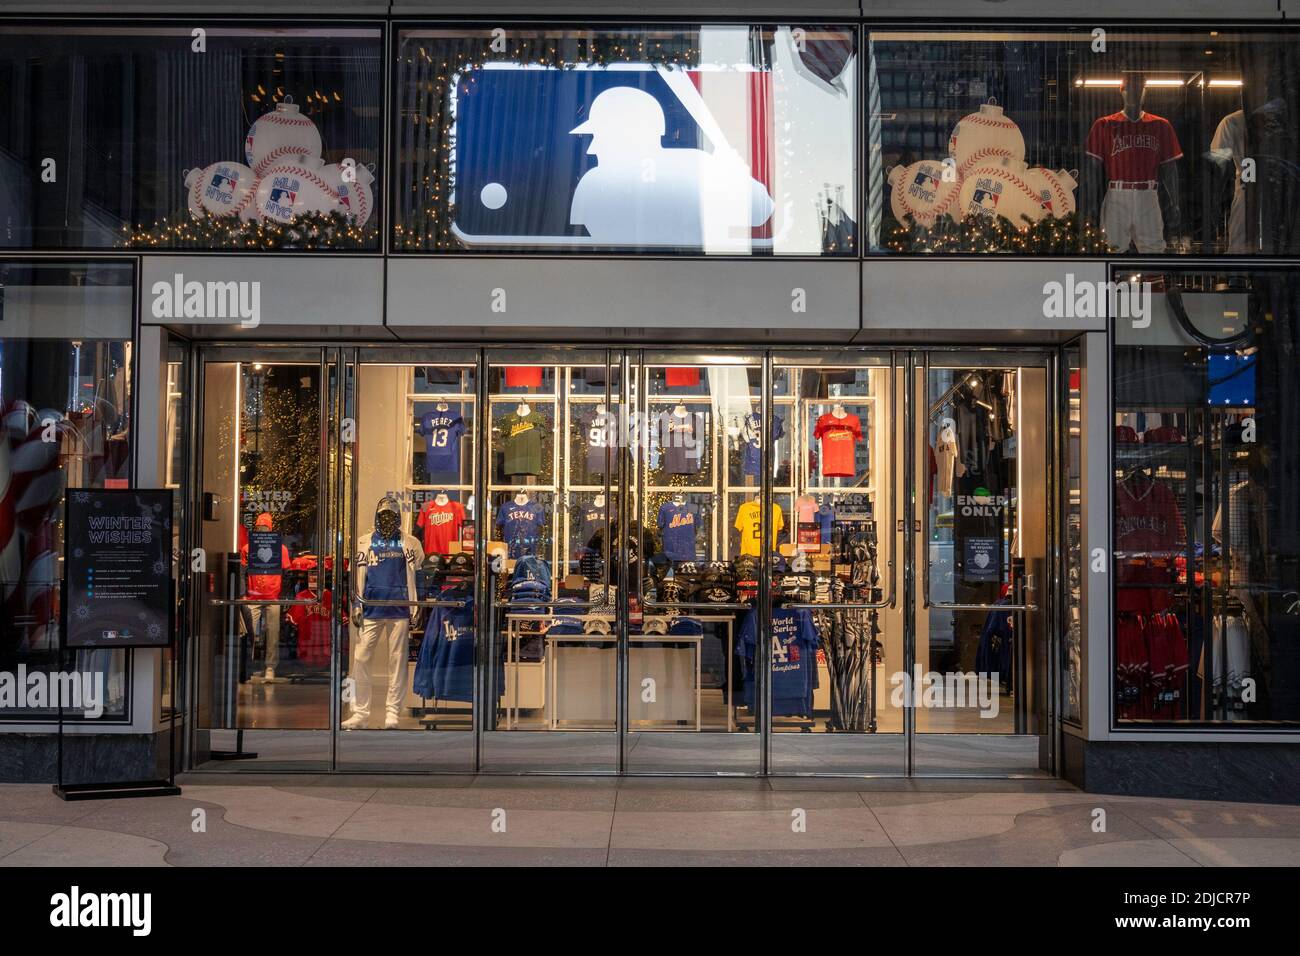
259,819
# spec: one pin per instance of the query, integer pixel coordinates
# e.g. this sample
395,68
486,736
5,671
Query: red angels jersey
440,525
1149,535
1133,152
313,624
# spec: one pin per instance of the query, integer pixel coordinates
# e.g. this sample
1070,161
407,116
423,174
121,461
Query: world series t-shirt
677,524
748,521
682,440
751,441
839,437
521,526
442,432
794,659
440,525
1133,152
521,443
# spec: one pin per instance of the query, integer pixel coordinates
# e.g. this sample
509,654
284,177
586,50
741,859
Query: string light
309,231
1067,235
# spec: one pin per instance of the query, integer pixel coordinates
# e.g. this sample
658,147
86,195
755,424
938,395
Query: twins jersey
442,431
839,438
1133,152
521,526
440,525
1148,526
677,524
751,441
390,574
794,660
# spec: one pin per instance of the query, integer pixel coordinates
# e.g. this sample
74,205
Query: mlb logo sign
986,198
109,635
224,181
632,155
925,180
282,196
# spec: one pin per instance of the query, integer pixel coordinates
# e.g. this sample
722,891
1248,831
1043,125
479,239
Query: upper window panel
158,138
729,140
1085,142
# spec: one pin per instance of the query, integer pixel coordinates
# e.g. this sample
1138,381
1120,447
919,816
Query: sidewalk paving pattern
414,821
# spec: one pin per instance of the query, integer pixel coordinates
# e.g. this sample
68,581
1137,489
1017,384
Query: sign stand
131,587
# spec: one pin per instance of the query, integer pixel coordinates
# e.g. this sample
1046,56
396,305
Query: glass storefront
1206,526
644,561
1084,141
727,139
66,400
172,137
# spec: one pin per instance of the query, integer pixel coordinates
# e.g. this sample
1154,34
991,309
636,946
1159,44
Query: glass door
408,451
264,608
982,445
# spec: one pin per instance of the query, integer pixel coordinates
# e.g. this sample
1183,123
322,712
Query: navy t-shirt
825,517
442,431
521,526
794,659
677,525
591,522
751,441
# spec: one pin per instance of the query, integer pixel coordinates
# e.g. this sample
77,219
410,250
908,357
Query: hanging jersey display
681,377
1149,535
751,441
440,525
442,431
591,525
839,438
681,441
388,562
521,526
794,660
599,429
748,523
521,444
312,622
677,525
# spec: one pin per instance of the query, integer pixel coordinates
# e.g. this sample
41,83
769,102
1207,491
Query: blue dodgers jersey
751,441
794,660
385,560
521,526
442,431
677,524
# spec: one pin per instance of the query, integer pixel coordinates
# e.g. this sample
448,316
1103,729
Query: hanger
600,500
522,410
679,498
838,411
521,497
442,406
440,498
681,411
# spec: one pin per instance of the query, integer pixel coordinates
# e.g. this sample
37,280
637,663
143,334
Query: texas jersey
442,431
748,520
1133,151
1149,534
677,524
521,526
440,525
839,438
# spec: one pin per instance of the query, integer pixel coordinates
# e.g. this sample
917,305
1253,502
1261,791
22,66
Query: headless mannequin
386,560
1096,179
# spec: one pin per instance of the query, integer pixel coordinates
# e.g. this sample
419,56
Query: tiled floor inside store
263,819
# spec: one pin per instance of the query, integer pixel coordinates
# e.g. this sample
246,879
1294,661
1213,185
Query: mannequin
1228,146
838,410
264,583
1132,168
386,560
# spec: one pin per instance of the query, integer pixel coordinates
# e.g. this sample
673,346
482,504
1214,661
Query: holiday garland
1066,236
310,230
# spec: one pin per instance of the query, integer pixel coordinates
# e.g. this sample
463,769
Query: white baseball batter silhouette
640,193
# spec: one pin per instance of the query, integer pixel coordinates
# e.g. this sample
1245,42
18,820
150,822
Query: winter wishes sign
118,568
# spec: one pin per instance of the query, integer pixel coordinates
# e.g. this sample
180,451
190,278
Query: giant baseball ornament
295,186
983,137
280,135
919,191
1001,189
354,189
1056,188
222,189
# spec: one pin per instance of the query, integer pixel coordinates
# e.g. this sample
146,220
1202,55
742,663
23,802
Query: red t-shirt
1133,152
264,586
523,376
441,525
839,437
313,624
675,377
1149,535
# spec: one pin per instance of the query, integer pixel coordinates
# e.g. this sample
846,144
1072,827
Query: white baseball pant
1133,215
392,635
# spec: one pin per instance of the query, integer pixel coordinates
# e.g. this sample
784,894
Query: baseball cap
264,520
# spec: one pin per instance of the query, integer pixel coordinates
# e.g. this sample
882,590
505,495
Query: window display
1205,589
750,131
1049,142
247,138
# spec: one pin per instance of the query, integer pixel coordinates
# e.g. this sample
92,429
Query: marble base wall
87,758
1231,770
